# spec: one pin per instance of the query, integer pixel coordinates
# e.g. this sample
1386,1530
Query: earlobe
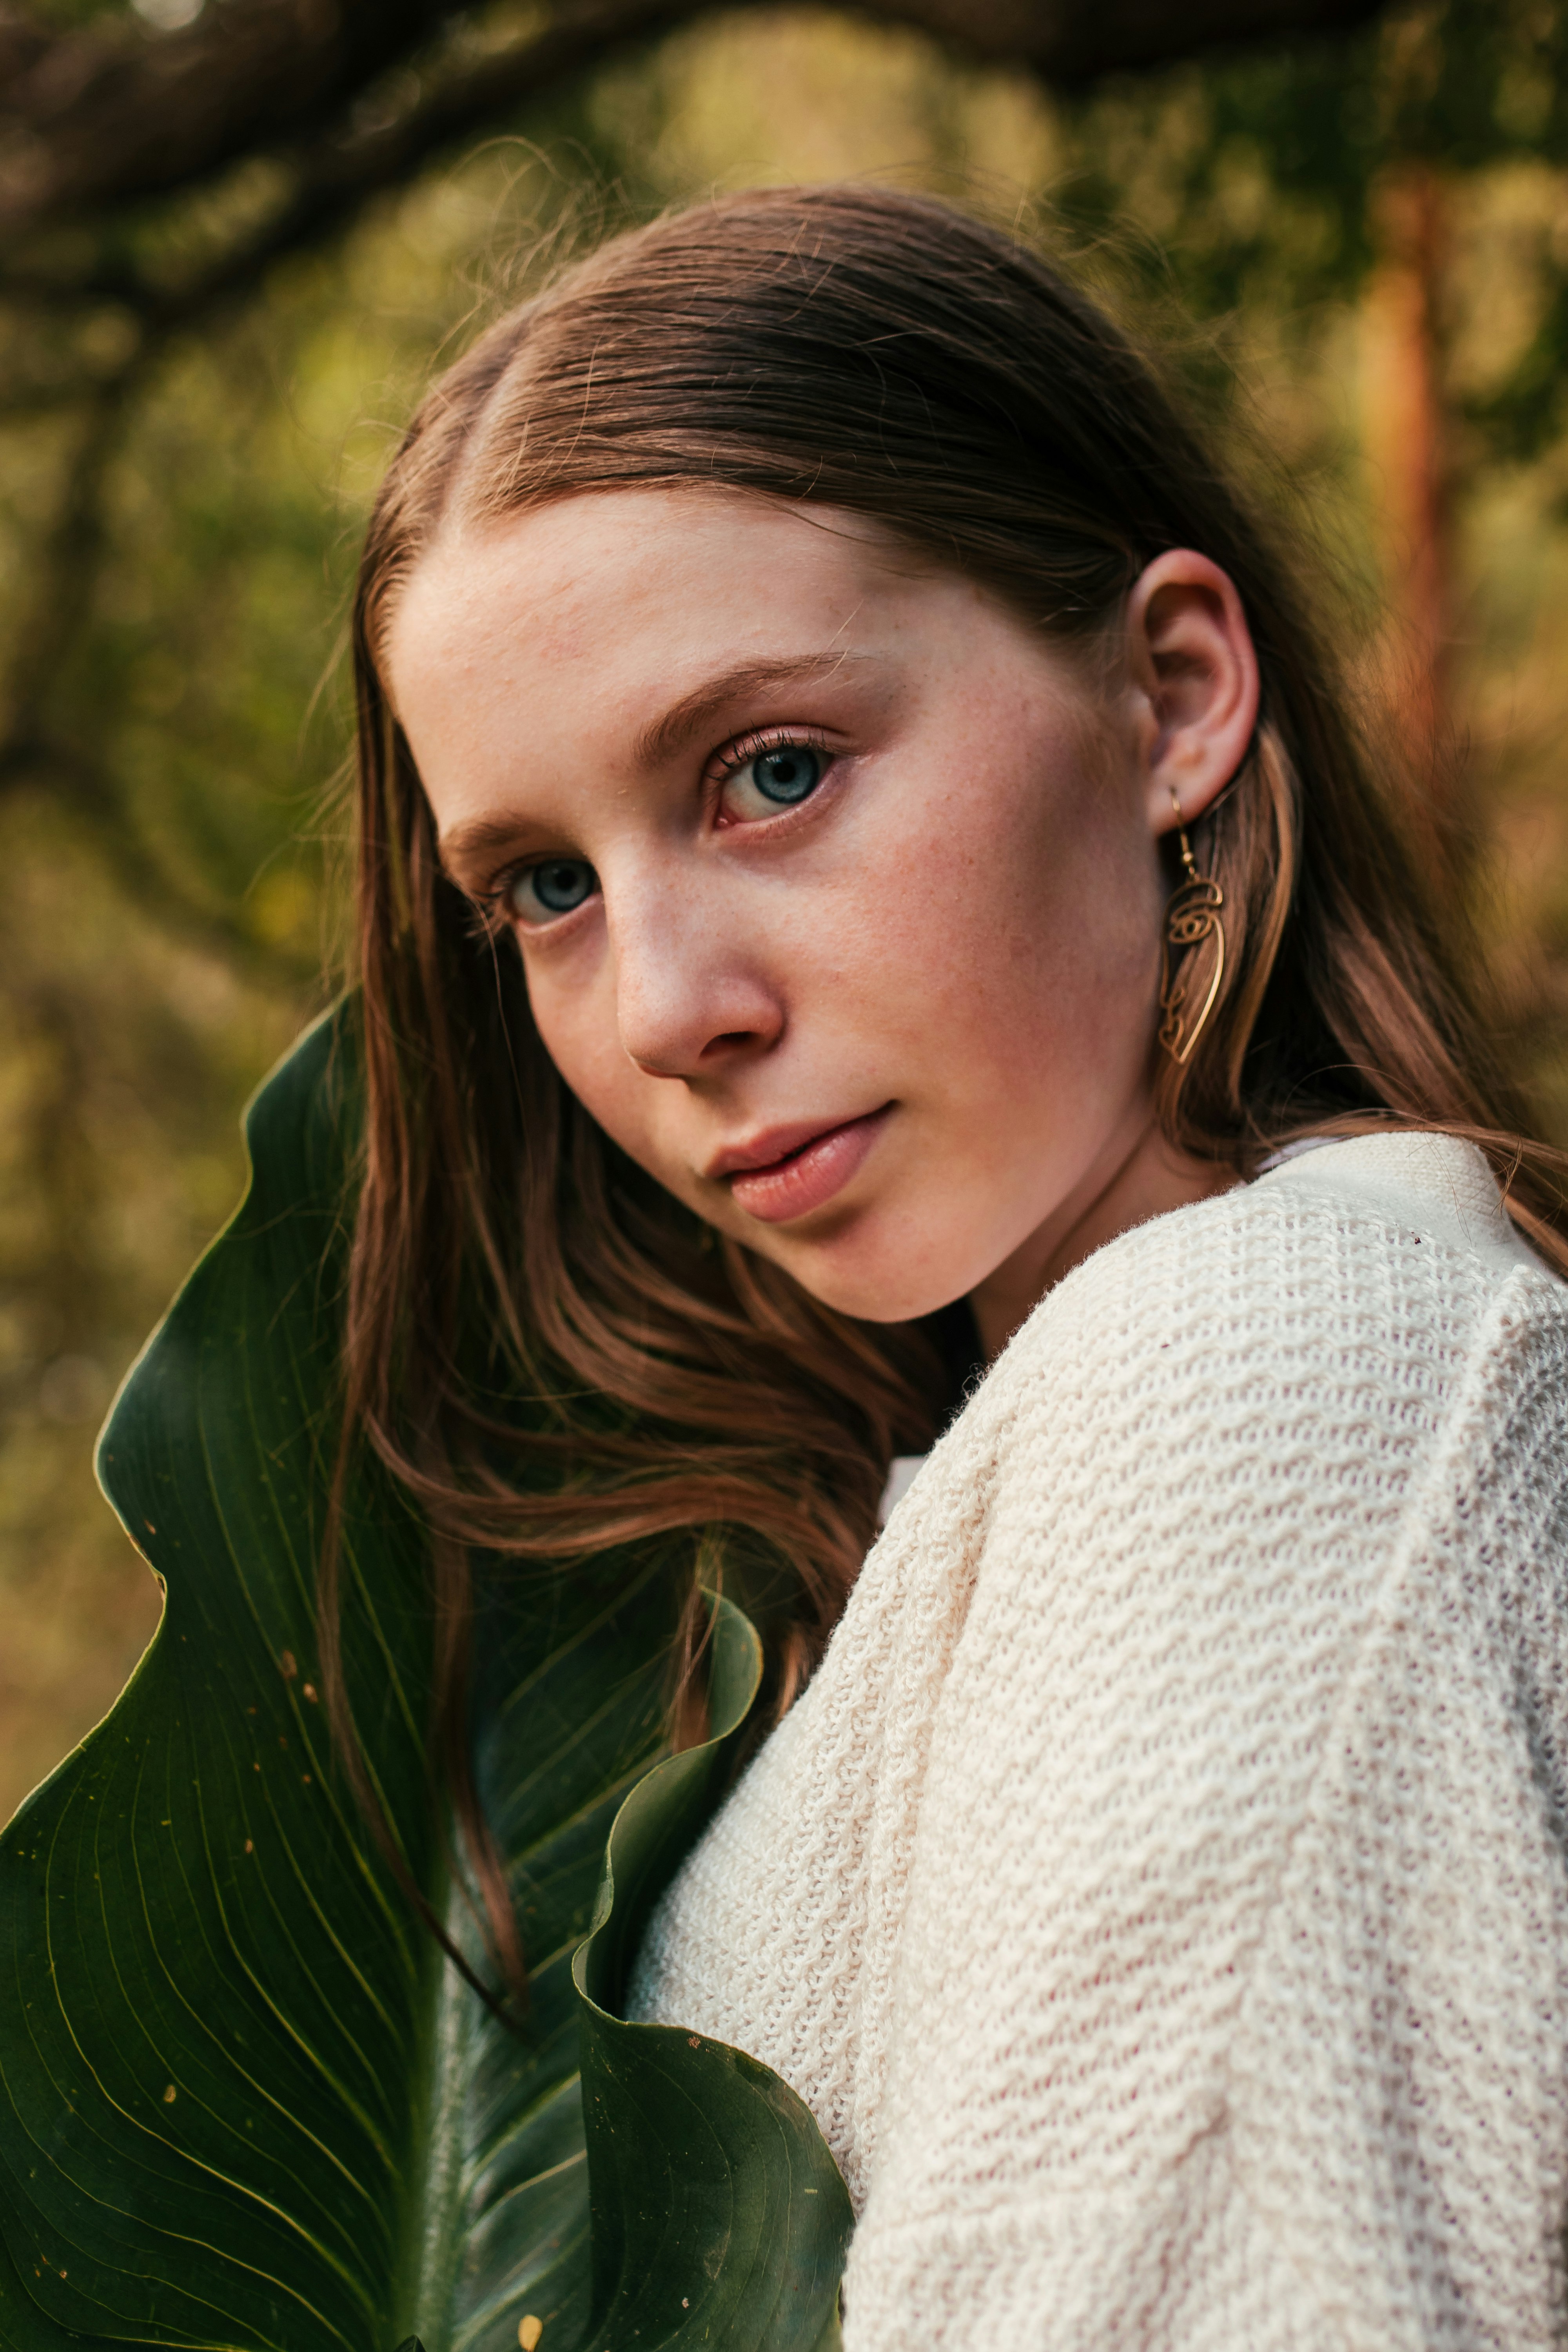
1192,659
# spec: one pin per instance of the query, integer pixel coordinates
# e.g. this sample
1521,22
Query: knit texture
1160,1895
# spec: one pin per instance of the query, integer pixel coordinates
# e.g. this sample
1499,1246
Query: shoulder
1222,1445
1269,1372
1379,1258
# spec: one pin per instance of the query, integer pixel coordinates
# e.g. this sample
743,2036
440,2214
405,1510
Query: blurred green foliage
172,895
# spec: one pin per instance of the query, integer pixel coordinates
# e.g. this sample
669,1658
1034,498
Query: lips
787,1171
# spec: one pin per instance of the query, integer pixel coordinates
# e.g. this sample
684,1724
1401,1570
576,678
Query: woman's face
837,892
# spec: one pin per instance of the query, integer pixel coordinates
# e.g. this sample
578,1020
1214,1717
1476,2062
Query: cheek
575,1015
575,1022
1018,930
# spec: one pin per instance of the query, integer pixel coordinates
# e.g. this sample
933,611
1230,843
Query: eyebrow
480,838
665,736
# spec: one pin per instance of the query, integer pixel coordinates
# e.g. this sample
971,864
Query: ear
1195,674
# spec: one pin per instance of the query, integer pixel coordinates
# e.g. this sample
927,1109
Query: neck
1139,1175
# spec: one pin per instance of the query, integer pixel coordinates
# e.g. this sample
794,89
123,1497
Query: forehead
604,578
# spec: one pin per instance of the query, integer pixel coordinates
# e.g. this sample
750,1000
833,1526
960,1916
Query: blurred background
233,241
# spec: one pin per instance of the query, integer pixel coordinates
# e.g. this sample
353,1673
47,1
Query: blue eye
771,780
787,775
544,893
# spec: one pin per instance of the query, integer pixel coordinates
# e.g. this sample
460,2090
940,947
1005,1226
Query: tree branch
99,117
340,174
91,122
1071,42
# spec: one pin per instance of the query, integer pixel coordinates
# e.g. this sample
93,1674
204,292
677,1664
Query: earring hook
1183,844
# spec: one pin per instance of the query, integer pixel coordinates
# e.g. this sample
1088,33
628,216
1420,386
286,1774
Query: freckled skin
962,922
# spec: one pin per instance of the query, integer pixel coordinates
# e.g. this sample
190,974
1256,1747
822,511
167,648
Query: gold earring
1192,917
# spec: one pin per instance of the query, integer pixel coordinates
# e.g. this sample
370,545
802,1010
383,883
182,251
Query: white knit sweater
1160,1895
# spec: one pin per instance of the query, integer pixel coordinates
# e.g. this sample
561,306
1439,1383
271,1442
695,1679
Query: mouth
787,1171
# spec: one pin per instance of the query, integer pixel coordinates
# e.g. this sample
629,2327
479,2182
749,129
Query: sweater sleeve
1230,2008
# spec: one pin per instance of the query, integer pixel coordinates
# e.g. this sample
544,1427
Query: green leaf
245,2102
720,2218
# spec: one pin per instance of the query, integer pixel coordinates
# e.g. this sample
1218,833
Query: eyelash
762,740
491,904
491,920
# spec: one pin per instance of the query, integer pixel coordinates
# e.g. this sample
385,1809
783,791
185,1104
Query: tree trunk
1409,448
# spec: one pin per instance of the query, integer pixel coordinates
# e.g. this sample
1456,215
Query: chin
876,1286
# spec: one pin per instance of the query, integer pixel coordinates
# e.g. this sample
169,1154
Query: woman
857,825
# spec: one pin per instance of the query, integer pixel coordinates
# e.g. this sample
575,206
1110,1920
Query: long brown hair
552,1356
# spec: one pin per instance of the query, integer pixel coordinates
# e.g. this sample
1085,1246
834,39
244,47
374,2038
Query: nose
692,990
